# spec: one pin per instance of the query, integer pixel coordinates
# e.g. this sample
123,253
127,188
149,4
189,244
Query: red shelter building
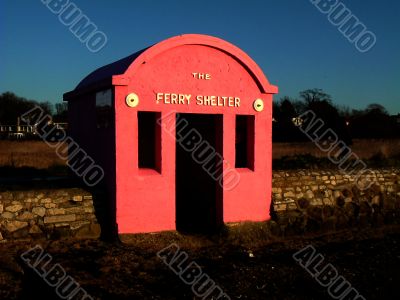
183,132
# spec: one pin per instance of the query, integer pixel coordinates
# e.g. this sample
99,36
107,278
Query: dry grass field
365,149
33,154
37,154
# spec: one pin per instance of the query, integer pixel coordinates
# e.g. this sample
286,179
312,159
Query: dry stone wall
305,200
52,213
302,201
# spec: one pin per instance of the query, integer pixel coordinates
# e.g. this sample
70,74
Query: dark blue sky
291,40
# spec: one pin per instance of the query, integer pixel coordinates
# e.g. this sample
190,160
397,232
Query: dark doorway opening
198,173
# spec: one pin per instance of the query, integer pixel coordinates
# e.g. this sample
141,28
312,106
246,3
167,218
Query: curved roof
107,71
118,72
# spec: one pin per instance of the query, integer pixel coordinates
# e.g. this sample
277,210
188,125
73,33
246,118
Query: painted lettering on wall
205,100
204,76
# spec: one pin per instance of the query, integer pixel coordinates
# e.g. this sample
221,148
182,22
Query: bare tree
315,95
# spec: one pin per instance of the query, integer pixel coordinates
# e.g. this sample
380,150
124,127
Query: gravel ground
242,264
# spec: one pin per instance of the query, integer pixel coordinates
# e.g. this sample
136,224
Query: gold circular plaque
132,100
258,105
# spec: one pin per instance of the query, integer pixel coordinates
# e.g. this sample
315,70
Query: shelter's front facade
183,131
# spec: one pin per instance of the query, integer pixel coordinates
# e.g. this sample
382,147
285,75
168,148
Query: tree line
13,106
372,122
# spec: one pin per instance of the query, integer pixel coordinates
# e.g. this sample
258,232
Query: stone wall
51,214
305,200
302,201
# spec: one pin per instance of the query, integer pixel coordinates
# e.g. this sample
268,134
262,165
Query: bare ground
242,263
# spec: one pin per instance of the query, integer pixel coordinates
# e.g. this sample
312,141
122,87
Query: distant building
25,131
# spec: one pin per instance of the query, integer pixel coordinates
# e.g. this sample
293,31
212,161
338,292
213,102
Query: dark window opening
104,109
244,142
149,140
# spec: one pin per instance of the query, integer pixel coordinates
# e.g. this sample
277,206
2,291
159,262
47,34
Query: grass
28,154
31,158
365,149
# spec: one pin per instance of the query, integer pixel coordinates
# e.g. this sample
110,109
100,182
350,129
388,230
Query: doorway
198,172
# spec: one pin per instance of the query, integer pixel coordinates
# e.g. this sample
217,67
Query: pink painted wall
145,198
